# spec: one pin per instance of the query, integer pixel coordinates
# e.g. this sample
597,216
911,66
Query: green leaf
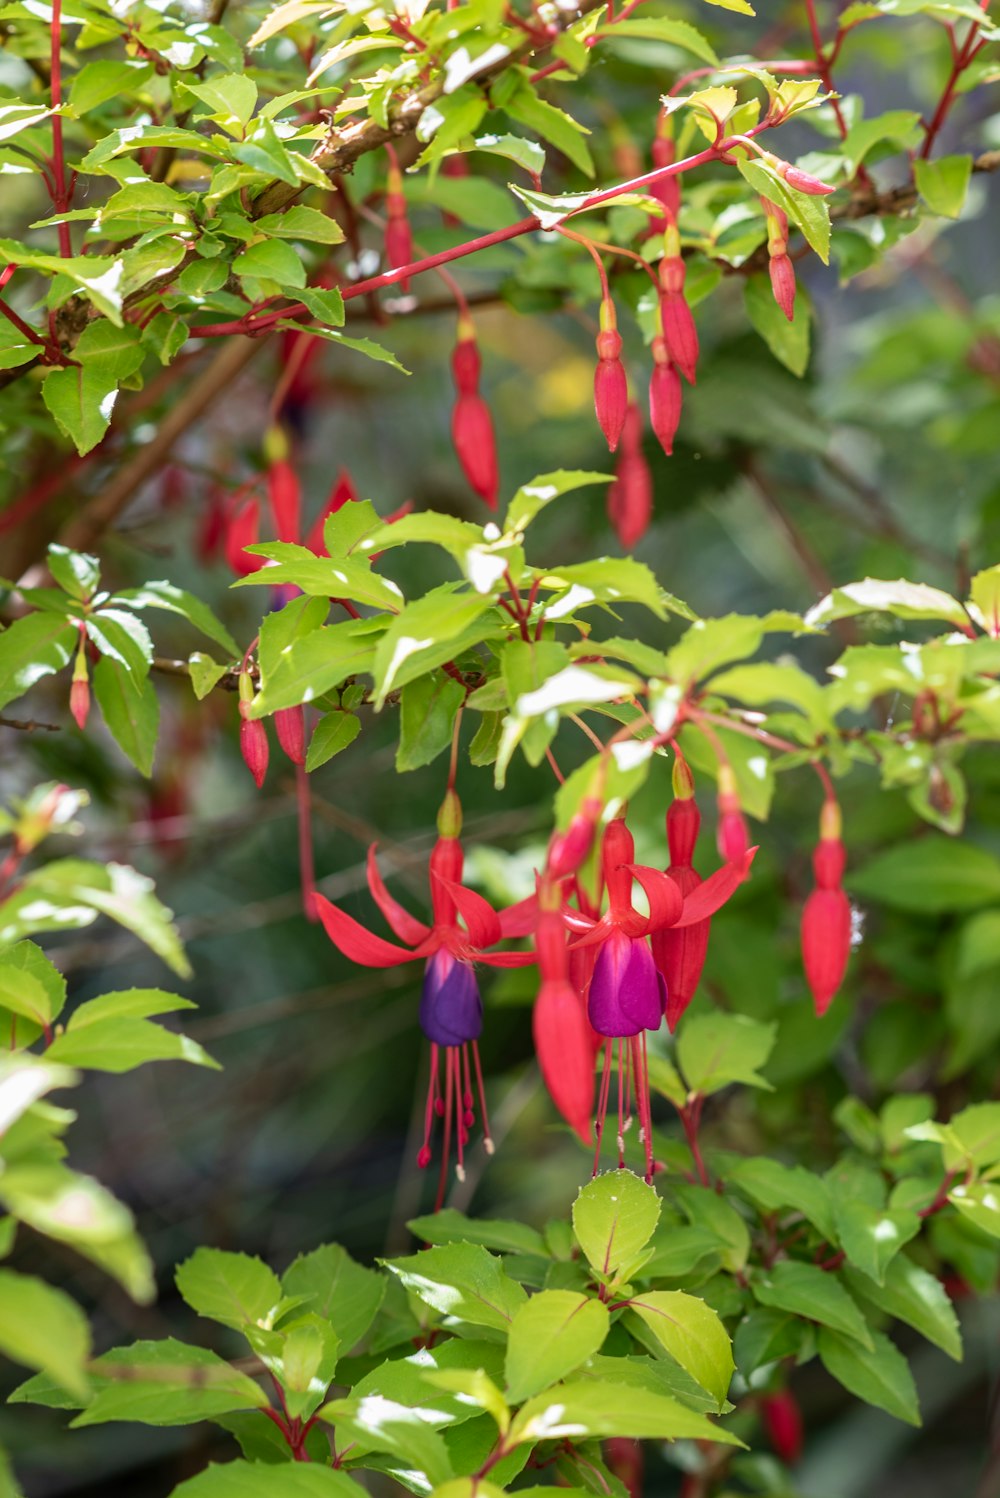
614,1217
473,200
166,1383
533,497
75,571
979,1203
322,577
232,1288
264,1480
44,1329
98,82
551,1336
383,1425
661,29
811,214
115,890
902,599
205,673
231,98
609,580
912,1295
709,1212
714,1050
552,124
264,152
813,1293
879,1375
930,875
131,709
336,1288
449,1226
315,664
33,647
271,260
82,396
773,1186
174,600
299,222
413,1380
462,1280
123,638
119,1043
428,707
423,635
578,1410
24,993
870,1237
944,183
333,733
788,341
692,1334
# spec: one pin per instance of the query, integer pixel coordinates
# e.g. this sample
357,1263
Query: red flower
471,423
826,918
610,382
679,952
398,235
781,269
450,1009
664,396
783,1423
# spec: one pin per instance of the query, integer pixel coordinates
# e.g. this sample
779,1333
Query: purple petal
451,1011
604,1001
642,995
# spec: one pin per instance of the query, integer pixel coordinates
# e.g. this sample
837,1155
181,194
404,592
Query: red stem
60,198
961,61
21,325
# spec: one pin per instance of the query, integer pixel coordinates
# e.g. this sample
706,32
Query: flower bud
610,383
79,700
465,360
254,747
398,235
284,496
569,849
783,1422
630,498
680,333
782,273
290,726
826,944
449,817
665,396
475,445
733,837
798,180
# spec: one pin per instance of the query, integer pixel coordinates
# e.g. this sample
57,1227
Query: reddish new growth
79,691
471,423
630,498
826,917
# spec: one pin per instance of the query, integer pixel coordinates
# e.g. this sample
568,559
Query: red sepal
519,919
565,1054
357,943
666,902
405,925
716,890
481,920
243,529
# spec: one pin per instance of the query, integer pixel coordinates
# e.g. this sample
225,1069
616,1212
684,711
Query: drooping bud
398,235
797,179
79,691
290,726
665,397
569,849
471,422
664,153
783,1422
673,271
610,382
781,269
253,734
449,817
680,333
283,490
630,497
826,916
733,837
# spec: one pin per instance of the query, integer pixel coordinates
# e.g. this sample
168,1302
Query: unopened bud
782,273
449,817
290,726
79,700
665,397
254,746
799,180
680,334
475,446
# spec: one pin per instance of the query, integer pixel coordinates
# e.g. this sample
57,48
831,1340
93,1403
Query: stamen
622,1082
602,1104
487,1140
468,1115
455,1079
443,1178
424,1155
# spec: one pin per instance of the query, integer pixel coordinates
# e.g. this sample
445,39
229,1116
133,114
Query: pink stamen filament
487,1137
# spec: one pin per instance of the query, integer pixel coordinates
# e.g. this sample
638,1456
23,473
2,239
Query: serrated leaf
235,1289
614,1217
550,1337
879,1375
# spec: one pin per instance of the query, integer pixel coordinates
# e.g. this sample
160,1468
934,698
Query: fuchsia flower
398,235
664,396
826,917
782,1420
630,498
733,838
626,994
450,1006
